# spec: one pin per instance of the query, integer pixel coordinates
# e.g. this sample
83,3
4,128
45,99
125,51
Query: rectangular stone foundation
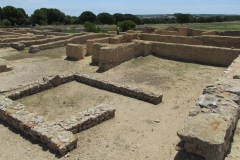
59,136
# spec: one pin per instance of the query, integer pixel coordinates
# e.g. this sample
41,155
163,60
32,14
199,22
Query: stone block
74,51
18,46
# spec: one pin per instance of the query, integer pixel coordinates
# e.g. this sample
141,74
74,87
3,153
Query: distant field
218,26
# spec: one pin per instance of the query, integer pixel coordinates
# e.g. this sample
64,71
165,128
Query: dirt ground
133,133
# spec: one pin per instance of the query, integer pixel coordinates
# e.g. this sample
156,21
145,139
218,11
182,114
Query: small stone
157,121
205,110
67,155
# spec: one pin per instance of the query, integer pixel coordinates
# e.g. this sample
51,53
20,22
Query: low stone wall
56,137
59,136
194,32
210,33
88,118
54,81
197,54
218,41
48,40
174,33
22,38
75,40
209,128
154,98
229,33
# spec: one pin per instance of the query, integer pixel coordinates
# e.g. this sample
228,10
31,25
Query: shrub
91,27
6,22
126,25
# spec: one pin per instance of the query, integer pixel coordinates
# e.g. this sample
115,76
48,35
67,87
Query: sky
136,7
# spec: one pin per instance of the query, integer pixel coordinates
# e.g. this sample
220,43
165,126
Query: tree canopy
14,15
183,18
39,17
87,16
105,18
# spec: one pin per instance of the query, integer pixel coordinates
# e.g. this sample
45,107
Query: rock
34,49
207,100
207,135
54,80
236,77
194,111
205,110
18,46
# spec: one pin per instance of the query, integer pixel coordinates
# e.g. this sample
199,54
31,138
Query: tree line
11,16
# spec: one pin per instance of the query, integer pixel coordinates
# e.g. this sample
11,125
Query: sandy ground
133,133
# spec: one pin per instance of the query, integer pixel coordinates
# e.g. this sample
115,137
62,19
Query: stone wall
229,33
51,39
58,136
74,51
196,54
108,56
22,38
209,128
97,40
60,43
218,41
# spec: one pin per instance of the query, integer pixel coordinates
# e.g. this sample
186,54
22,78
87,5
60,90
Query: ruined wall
96,51
197,54
229,33
170,39
169,32
97,40
51,39
194,32
112,55
75,40
22,38
218,41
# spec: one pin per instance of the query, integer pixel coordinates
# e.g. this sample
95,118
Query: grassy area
51,53
218,26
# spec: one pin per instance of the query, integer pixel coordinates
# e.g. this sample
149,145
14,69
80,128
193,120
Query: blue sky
76,7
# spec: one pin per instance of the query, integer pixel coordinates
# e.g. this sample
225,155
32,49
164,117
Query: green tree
87,16
10,13
0,13
39,17
126,25
22,17
91,27
133,18
118,17
67,19
183,18
55,15
105,18
6,23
